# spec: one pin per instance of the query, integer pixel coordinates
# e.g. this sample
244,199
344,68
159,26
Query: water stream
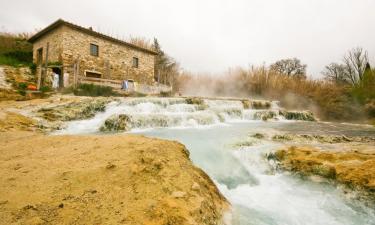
259,195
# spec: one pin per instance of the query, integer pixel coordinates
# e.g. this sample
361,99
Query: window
93,74
39,56
94,50
135,62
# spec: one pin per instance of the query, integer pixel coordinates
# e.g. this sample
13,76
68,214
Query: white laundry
55,80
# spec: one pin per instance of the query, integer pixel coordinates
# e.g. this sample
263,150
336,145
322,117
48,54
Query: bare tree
290,67
355,61
166,68
336,73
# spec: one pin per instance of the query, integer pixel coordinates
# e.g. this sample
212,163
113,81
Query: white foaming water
258,194
147,113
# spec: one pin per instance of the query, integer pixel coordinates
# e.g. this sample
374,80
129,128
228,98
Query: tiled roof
61,22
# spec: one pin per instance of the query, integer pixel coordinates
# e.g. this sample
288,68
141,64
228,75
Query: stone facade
69,43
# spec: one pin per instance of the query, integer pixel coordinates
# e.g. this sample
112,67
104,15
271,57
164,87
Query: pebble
178,194
195,186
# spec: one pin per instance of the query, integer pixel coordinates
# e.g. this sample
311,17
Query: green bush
22,88
15,50
9,61
94,90
33,68
22,56
45,89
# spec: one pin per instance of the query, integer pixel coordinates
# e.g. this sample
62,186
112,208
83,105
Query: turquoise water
260,195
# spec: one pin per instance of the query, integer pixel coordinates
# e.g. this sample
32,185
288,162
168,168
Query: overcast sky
212,35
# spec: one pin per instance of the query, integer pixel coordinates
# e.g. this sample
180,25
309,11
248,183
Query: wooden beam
44,74
39,77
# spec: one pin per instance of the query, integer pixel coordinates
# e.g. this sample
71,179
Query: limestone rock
355,170
265,115
199,102
84,109
116,123
298,115
258,104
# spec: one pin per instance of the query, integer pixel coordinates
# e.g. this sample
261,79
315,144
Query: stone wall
114,61
54,38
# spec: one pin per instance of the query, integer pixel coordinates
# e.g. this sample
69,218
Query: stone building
99,55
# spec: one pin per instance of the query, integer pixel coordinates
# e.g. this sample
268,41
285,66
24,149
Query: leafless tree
355,61
290,67
336,73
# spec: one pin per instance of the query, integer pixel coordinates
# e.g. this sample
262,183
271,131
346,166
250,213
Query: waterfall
153,112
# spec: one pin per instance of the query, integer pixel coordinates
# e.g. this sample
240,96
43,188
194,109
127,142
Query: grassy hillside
15,50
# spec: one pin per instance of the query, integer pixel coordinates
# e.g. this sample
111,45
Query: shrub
15,50
94,90
22,88
32,67
45,89
22,56
9,61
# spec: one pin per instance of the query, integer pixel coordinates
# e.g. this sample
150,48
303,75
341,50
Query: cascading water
175,112
259,194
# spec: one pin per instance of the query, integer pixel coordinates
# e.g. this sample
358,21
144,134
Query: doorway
61,78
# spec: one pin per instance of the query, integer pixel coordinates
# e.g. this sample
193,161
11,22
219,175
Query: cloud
210,36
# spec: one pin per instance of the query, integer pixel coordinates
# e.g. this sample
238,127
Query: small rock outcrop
265,115
298,115
119,122
199,102
307,138
354,169
83,109
246,104
258,104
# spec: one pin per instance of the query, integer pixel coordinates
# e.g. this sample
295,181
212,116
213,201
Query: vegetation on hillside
15,50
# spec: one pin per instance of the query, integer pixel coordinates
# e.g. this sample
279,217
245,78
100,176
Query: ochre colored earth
355,168
107,179
117,179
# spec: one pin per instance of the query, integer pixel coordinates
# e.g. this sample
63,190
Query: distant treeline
347,91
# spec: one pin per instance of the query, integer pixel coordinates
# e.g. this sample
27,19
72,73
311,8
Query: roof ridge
60,21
